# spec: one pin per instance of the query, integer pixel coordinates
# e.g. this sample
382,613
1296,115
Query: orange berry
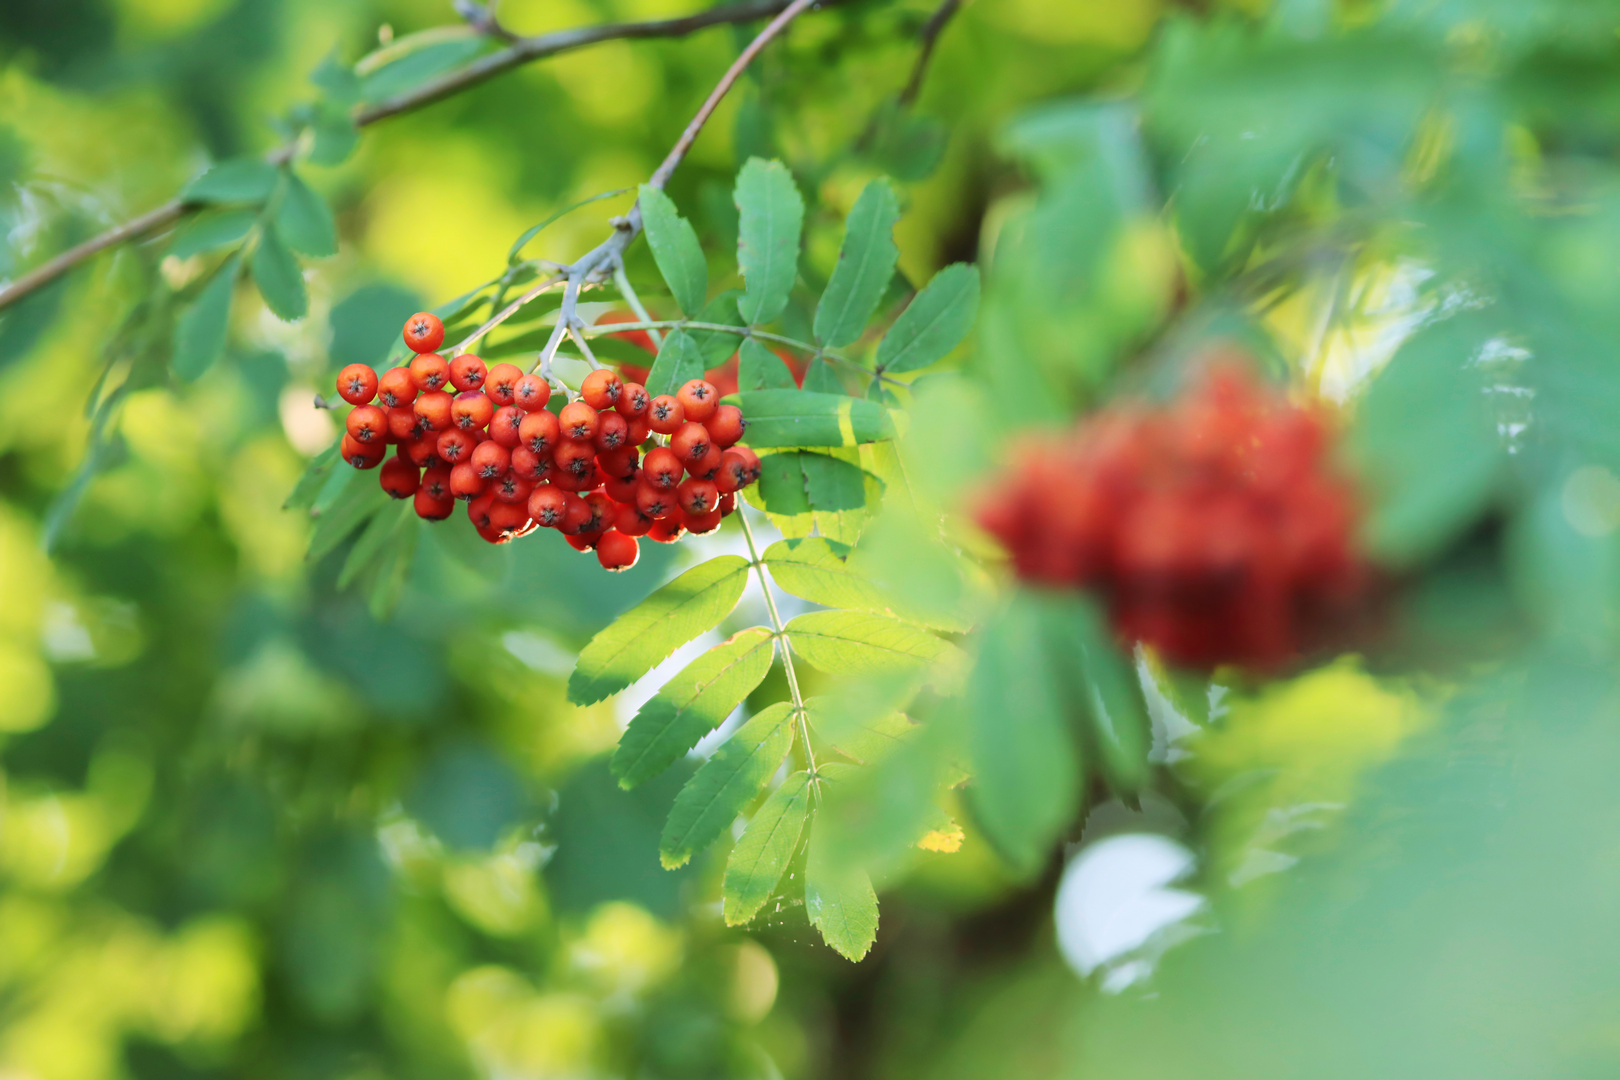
665,414
655,502
465,483
619,463
424,332
540,432
531,393
506,426
601,389
699,398
633,400
430,509
478,512
404,425
357,384
640,431
508,515
434,408
726,425
576,515
574,458
707,466
422,450
697,497
367,424
436,482
612,431
471,410
511,489
621,488
491,459
467,372
703,524
456,446
667,531
691,442
530,465
396,388
631,521
662,469
501,383
547,505
579,421
400,478
362,455
430,371
733,474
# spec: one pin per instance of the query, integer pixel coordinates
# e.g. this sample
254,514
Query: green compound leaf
767,846
840,903
934,323
804,418
693,603
718,345
771,215
316,474
200,337
305,221
727,782
239,180
211,231
692,704
373,540
1024,759
278,276
854,642
1102,689
760,369
679,361
817,569
866,262
334,524
860,735
676,250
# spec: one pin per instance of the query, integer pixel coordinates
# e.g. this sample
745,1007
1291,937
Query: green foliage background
257,821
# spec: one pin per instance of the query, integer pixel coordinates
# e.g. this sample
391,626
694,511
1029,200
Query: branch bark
521,51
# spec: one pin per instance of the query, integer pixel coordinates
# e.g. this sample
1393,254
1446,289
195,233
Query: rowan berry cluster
487,436
1214,525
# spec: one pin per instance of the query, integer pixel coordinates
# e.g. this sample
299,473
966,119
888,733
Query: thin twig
506,313
622,281
927,40
599,329
585,350
781,636
520,52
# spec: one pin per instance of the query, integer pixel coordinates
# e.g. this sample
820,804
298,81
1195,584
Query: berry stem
506,313
740,331
626,290
781,636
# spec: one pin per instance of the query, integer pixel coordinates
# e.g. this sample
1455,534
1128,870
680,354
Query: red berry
547,505
531,466
733,474
691,442
655,502
467,372
699,398
362,455
465,483
631,521
601,389
478,512
430,509
574,458
400,478
751,458
540,432
430,371
616,551
404,425
726,426
471,410
501,383
640,431
396,388
667,531
506,425
612,431
703,524
728,503
582,542
436,482
665,415
424,332
367,424
531,393
491,459
579,421
424,449
584,480
697,497
620,463
357,384
633,401
509,515
707,466
662,469
576,516
456,446
621,488
511,488
434,408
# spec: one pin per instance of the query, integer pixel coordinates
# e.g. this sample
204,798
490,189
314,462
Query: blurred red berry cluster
487,436
1214,525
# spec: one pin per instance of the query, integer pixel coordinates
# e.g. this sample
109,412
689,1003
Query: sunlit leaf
840,902
680,611
817,569
726,783
765,849
771,217
844,642
802,418
691,705
676,250
866,262
934,323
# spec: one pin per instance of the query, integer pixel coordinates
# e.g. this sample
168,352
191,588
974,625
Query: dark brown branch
520,52
928,39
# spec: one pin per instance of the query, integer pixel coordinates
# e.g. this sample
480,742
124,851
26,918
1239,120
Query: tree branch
927,40
521,51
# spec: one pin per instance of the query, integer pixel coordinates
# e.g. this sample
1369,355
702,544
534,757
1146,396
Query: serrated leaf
853,642
760,369
334,525
373,539
239,180
770,218
819,378
934,323
797,482
718,345
200,336
676,250
765,849
839,902
866,262
690,605
803,418
692,704
679,360
315,476
305,221
211,231
1024,761
817,569
861,735
727,782
277,274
